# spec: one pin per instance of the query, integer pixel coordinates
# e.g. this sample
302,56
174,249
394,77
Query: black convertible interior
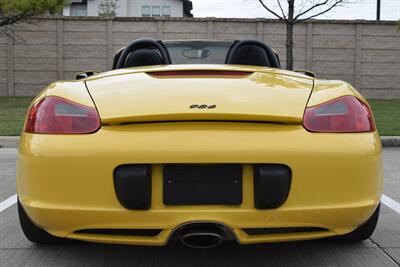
142,52
149,52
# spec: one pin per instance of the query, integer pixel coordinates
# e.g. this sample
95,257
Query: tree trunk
289,46
289,35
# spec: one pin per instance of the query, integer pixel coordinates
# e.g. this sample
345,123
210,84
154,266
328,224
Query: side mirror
85,74
307,72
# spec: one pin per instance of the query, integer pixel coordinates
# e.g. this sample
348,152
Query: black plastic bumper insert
271,185
133,186
282,230
121,232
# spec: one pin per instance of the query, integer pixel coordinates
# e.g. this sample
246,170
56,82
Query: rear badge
203,106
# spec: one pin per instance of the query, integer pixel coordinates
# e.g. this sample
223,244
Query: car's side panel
73,90
325,90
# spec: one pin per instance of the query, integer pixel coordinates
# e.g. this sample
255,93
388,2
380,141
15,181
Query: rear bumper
65,183
65,221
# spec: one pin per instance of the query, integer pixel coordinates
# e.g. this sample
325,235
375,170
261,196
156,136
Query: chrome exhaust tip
202,240
202,235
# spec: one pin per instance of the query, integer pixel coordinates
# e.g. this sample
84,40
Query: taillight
56,115
346,114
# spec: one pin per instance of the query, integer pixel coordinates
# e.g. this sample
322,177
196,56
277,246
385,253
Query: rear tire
364,231
32,232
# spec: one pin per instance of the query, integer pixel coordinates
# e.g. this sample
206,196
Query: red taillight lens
56,115
346,114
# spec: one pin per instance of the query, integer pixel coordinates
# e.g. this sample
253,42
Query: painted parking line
387,201
8,202
394,205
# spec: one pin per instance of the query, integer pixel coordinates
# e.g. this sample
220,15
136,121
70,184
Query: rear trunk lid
200,92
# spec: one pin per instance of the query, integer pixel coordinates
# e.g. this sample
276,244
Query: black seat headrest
250,55
143,52
253,53
116,58
143,57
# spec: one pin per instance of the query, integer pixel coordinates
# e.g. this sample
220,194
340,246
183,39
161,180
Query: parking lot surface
382,249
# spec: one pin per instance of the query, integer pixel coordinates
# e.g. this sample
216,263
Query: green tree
108,8
13,11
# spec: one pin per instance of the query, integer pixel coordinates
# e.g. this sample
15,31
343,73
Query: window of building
146,11
166,11
78,9
156,11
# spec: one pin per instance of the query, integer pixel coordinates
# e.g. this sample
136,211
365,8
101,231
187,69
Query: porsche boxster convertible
198,141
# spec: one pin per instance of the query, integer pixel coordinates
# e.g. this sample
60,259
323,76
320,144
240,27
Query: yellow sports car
198,141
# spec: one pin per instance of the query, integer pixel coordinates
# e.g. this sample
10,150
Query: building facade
129,8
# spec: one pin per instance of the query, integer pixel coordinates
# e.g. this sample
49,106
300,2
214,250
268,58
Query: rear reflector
199,73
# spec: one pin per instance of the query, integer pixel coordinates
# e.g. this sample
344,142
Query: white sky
360,9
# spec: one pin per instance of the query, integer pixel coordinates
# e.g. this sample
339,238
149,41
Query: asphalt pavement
382,249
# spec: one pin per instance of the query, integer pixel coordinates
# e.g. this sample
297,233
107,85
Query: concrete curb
12,141
9,141
390,141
